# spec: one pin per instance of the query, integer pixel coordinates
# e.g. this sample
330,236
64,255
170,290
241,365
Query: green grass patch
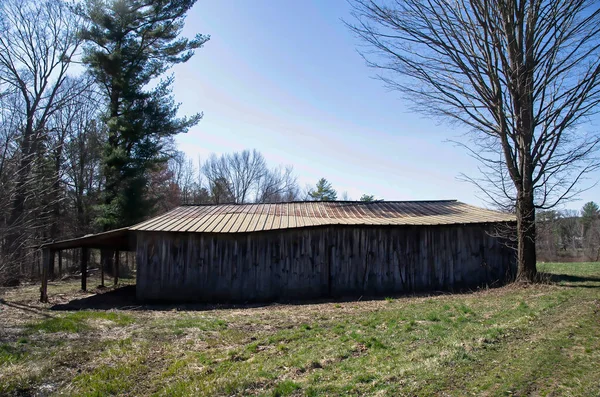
285,388
10,354
78,322
115,379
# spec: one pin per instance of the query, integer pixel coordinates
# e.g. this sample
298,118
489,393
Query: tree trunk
526,256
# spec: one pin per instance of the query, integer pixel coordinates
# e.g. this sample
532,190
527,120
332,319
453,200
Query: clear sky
284,77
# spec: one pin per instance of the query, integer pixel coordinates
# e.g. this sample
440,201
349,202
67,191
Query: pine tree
130,44
323,192
367,198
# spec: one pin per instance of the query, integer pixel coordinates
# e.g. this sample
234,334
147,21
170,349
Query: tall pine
130,44
324,191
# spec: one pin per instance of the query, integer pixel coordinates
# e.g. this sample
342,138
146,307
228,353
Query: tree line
87,117
240,178
569,235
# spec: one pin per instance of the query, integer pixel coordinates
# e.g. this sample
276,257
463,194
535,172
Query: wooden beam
116,269
84,260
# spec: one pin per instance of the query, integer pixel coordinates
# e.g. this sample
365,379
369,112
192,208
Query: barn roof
243,218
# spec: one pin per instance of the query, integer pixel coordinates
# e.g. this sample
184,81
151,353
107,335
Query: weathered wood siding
316,262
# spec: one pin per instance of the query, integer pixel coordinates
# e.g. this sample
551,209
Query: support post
116,269
102,261
59,263
84,260
47,263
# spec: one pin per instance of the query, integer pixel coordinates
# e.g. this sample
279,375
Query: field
517,340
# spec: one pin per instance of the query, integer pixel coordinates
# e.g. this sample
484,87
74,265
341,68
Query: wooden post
102,260
84,259
59,263
116,269
47,262
51,268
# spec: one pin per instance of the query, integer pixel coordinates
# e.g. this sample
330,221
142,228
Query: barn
297,250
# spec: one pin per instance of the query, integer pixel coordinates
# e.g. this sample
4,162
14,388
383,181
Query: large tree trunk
526,256
17,218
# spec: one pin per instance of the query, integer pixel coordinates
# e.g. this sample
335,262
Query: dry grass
518,340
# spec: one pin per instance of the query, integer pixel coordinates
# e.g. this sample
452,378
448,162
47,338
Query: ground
516,340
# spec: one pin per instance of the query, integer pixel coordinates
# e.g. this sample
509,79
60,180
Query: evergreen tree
589,213
323,192
367,198
130,44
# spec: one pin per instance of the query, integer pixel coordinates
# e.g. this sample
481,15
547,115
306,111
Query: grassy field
516,340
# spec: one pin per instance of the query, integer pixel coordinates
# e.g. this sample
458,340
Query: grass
517,340
10,354
78,322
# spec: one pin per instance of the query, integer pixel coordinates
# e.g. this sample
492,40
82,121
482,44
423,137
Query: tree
323,192
367,198
86,136
244,170
183,176
130,44
547,235
278,185
249,179
589,214
37,43
220,191
521,75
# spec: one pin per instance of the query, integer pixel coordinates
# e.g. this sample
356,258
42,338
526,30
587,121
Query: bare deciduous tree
278,185
522,75
37,43
244,177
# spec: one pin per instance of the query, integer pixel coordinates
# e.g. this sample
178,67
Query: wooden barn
263,252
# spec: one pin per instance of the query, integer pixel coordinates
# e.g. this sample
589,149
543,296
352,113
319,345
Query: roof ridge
325,201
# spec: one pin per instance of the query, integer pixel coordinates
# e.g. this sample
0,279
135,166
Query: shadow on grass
27,308
574,280
124,298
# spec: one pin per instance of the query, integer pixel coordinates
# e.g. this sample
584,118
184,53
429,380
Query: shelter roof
244,218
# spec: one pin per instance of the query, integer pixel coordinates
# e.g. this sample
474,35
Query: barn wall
305,263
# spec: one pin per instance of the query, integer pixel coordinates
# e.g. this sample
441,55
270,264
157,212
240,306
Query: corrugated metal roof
242,218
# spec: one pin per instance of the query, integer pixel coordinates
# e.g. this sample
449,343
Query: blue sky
284,77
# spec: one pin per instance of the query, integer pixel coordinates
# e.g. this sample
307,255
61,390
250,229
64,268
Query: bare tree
520,74
244,177
245,170
81,166
37,42
278,185
184,176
